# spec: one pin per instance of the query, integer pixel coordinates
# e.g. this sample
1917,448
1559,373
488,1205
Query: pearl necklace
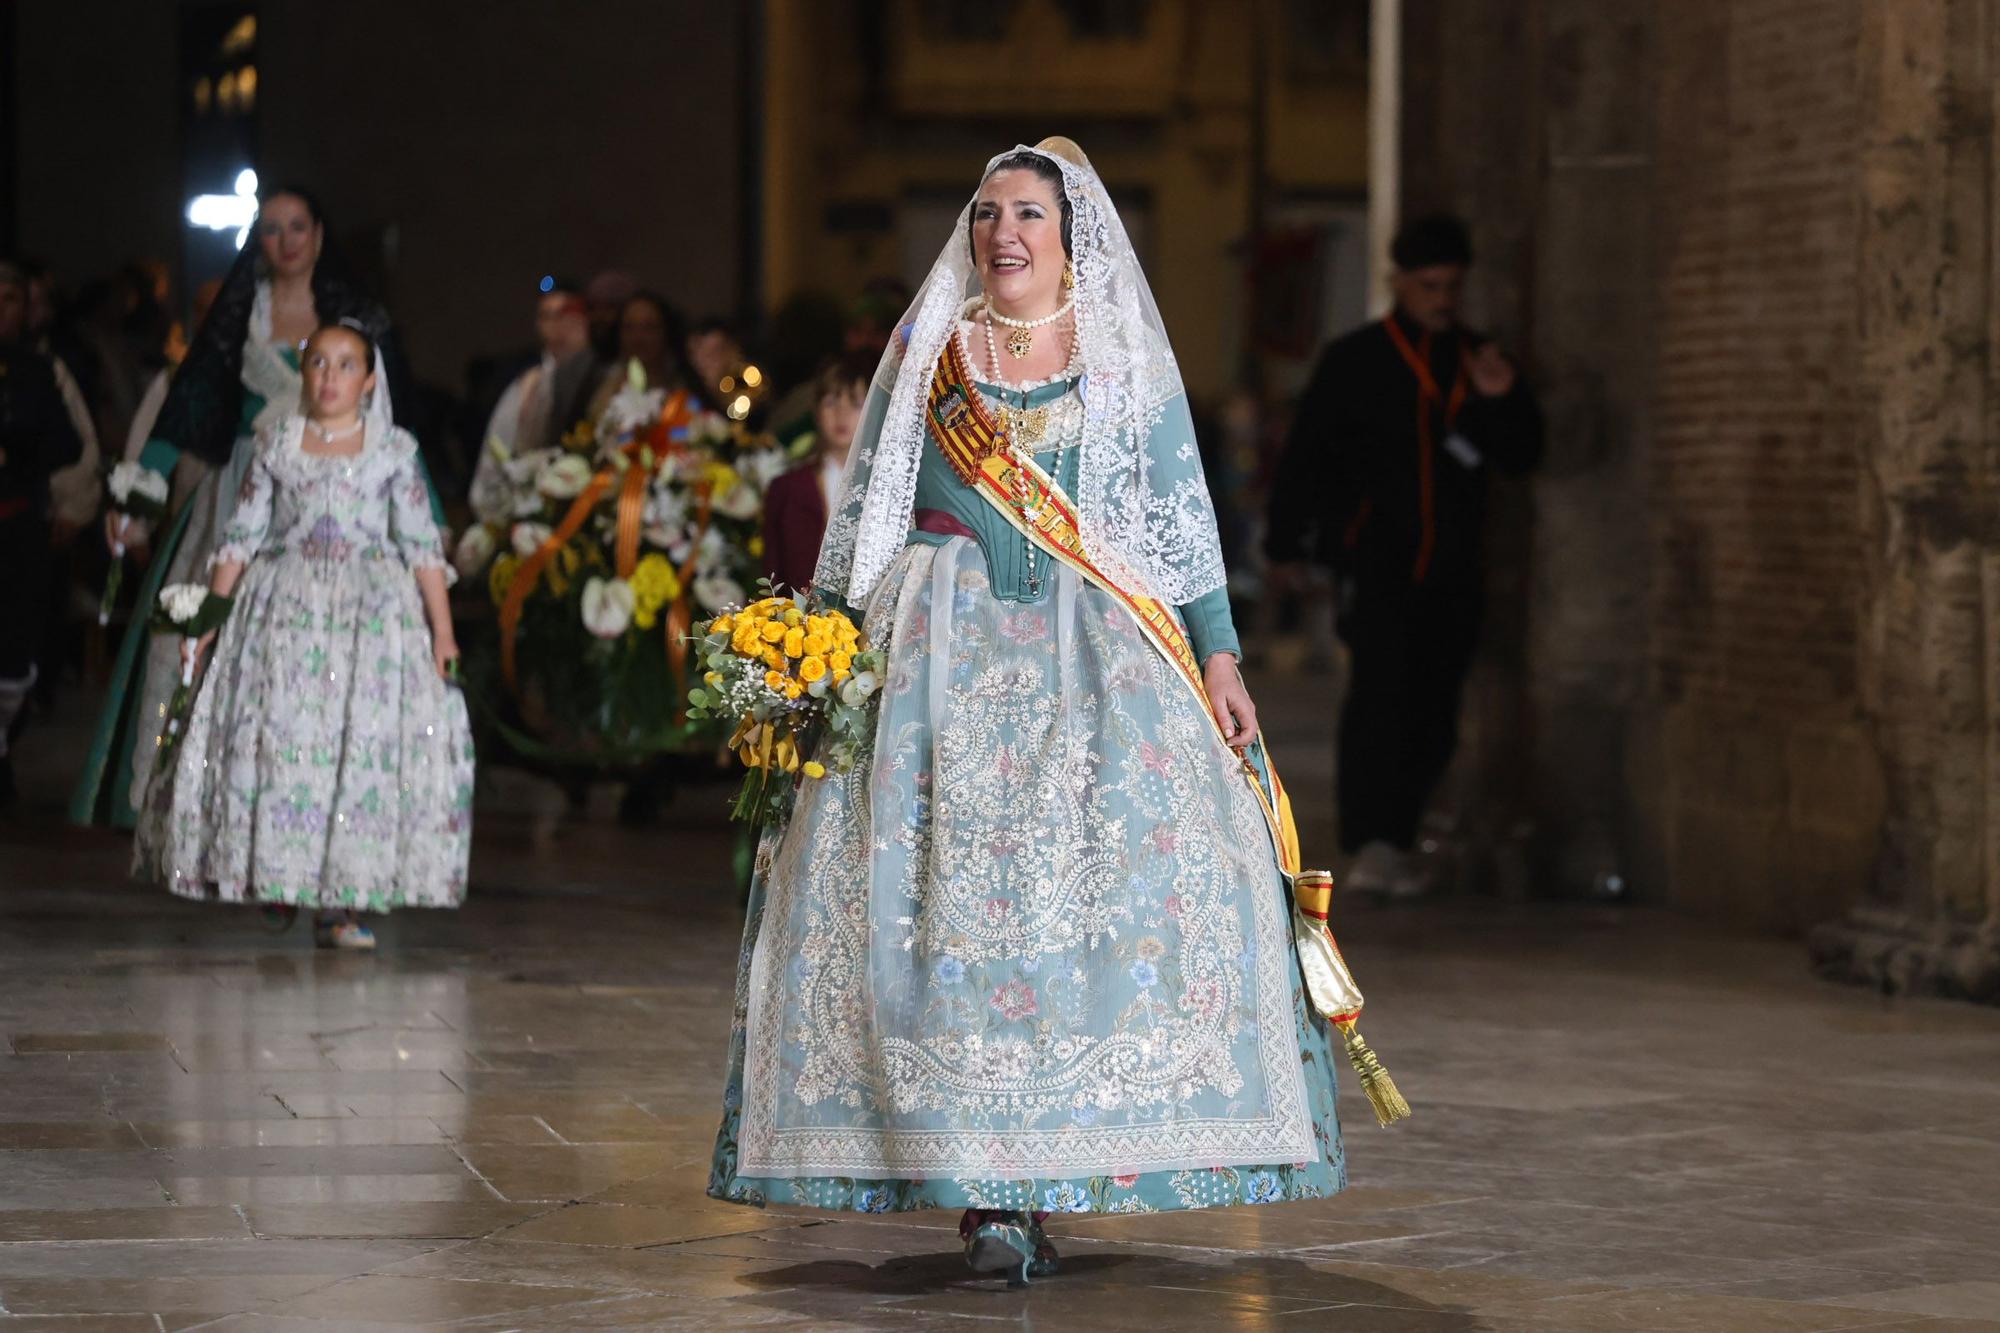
329,436
992,352
1022,340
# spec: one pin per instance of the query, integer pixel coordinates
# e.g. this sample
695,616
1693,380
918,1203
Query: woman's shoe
1046,1261
1001,1246
342,933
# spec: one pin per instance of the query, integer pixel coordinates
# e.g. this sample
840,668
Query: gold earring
1069,276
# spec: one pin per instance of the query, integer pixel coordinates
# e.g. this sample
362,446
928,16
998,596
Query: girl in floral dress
327,762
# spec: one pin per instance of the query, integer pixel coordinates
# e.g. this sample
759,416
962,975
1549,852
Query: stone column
1930,601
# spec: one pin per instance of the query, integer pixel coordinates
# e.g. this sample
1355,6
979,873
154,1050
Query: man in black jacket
36,440
1384,478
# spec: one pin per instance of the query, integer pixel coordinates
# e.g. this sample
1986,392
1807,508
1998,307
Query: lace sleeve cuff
422,557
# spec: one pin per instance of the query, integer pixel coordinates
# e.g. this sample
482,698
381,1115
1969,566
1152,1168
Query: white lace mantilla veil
267,374
1151,528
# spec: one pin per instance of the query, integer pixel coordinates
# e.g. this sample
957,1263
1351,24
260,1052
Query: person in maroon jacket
795,509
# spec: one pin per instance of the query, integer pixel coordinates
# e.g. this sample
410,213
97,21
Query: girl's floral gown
325,762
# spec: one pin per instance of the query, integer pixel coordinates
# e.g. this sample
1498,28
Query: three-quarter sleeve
243,535
1210,626
413,524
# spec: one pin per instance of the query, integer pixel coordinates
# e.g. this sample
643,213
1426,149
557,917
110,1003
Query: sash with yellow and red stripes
1029,499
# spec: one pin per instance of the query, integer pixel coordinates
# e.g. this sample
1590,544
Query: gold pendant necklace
1020,342
1026,426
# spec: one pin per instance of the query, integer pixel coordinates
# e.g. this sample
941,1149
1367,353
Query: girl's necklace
329,436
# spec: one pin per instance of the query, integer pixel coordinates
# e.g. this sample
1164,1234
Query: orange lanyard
1428,392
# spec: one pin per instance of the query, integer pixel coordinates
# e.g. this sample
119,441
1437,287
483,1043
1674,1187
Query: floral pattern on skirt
325,762
1034,952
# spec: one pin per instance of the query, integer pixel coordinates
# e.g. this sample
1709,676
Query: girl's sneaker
342,933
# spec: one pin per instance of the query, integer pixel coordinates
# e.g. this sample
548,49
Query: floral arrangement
617,539
797,683
136,492
191,611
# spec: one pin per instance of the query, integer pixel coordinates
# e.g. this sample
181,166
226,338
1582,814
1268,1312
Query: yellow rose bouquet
799,685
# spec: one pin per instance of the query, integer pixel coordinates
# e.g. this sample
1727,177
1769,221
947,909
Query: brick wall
1685,182
1753,465
1769,803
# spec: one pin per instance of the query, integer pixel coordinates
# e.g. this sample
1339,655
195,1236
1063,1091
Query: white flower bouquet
191,611
136,493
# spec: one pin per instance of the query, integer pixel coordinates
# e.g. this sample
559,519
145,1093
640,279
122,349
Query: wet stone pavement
503,1121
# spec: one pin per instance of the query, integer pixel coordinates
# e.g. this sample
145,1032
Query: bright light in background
227,212
548,282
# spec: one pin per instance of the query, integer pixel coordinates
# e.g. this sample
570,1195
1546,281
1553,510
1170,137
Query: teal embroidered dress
1034,952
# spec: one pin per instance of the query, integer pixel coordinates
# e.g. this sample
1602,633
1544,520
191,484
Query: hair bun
1067,149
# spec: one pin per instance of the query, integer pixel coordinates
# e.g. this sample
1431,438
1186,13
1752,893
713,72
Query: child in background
327,761
796,508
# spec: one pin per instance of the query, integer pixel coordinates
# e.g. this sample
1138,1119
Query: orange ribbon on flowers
674,414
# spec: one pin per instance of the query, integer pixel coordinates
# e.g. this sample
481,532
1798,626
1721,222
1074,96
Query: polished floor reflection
503,1120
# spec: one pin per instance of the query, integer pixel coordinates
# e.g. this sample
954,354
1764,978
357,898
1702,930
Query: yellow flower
795,642
842,661
795,617
773,632
774,659
654,582
793,689
755,546
811,670
501,577
817,644
747,642
645,617
722,625
713,678
814,768
774,679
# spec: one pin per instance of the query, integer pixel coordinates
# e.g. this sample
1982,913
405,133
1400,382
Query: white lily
526,538
475,547
564,478
607,607
739,501
717,592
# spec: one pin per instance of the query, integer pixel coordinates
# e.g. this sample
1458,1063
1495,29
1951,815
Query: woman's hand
444,652
194,655
1234,712
124,530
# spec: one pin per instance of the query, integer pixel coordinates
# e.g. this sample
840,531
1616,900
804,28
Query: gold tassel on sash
1334,993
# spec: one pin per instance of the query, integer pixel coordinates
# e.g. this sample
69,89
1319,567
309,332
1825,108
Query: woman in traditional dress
1034,954
240,375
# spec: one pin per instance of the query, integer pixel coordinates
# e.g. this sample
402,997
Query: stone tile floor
503,1121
